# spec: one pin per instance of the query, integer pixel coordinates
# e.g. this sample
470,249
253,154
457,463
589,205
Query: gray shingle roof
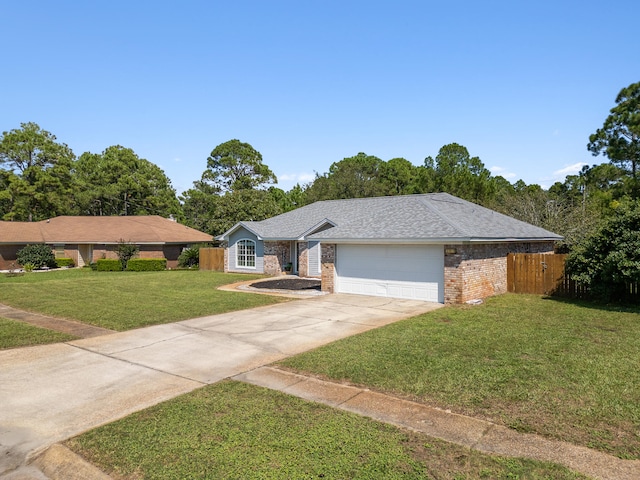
429,217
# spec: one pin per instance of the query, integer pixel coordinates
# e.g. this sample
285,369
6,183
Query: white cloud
501,172
293,178
177,160
569,169
561,175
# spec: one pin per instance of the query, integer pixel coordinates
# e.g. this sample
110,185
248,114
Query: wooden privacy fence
544,274
538,273
212,259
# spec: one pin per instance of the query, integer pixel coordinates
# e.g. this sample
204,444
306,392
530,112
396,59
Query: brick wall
71,251
328,260
480,271
303,259
276,256
8,257
170,252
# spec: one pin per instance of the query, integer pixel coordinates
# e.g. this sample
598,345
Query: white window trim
244,241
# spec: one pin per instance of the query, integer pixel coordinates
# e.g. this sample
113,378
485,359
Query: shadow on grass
623,307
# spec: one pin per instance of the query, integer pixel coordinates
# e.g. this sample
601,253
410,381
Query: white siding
313,256
241,234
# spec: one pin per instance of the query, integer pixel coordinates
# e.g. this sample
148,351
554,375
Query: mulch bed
289,284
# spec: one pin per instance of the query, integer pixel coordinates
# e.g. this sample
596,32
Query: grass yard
17,334
126,300
238,431
566,370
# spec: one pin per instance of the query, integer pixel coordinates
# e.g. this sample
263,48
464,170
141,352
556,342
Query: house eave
436,241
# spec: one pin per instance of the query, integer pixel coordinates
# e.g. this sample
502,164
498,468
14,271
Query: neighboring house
87,239
433,247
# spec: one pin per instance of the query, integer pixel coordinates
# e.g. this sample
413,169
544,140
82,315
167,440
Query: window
246,253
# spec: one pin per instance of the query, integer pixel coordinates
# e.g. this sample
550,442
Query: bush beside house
108,265
36,255
64,262
147,264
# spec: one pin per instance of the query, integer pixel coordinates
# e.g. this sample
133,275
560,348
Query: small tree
125,252
36,255
609,260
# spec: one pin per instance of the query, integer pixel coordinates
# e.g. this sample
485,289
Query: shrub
39,255
609,260
64,262
126,251
147,264
190,257
108,265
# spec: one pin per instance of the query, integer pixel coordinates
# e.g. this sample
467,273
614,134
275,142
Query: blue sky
521,84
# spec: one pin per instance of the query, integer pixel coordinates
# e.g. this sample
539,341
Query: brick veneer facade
303,259
328,270
8,257
480,271
276,256
170,252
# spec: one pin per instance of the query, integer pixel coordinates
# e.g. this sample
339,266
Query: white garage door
400,271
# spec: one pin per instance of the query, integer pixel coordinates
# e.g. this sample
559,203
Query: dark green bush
190,257
608,261
37,255
64,262
147,264
108,265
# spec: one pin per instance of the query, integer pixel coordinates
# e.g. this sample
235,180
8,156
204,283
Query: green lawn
126,300
17,334
237,431
566,370
562,369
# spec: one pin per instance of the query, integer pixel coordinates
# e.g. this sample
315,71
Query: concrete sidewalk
470,432
81,330
59,463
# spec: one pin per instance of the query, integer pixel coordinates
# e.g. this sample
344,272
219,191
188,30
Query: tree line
42,178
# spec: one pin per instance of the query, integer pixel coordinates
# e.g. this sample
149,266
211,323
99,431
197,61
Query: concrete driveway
51,393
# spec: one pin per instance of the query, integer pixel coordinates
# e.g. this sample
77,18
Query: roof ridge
455,225
378,197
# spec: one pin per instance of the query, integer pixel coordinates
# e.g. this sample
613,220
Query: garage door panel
411,272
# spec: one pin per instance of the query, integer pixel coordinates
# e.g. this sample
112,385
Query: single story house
433,247
87,239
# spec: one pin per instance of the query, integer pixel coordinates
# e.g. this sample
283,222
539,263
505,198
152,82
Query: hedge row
64,262
108,265
133,265
147,264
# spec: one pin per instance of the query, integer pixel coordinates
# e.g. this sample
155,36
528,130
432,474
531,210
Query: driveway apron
53,392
